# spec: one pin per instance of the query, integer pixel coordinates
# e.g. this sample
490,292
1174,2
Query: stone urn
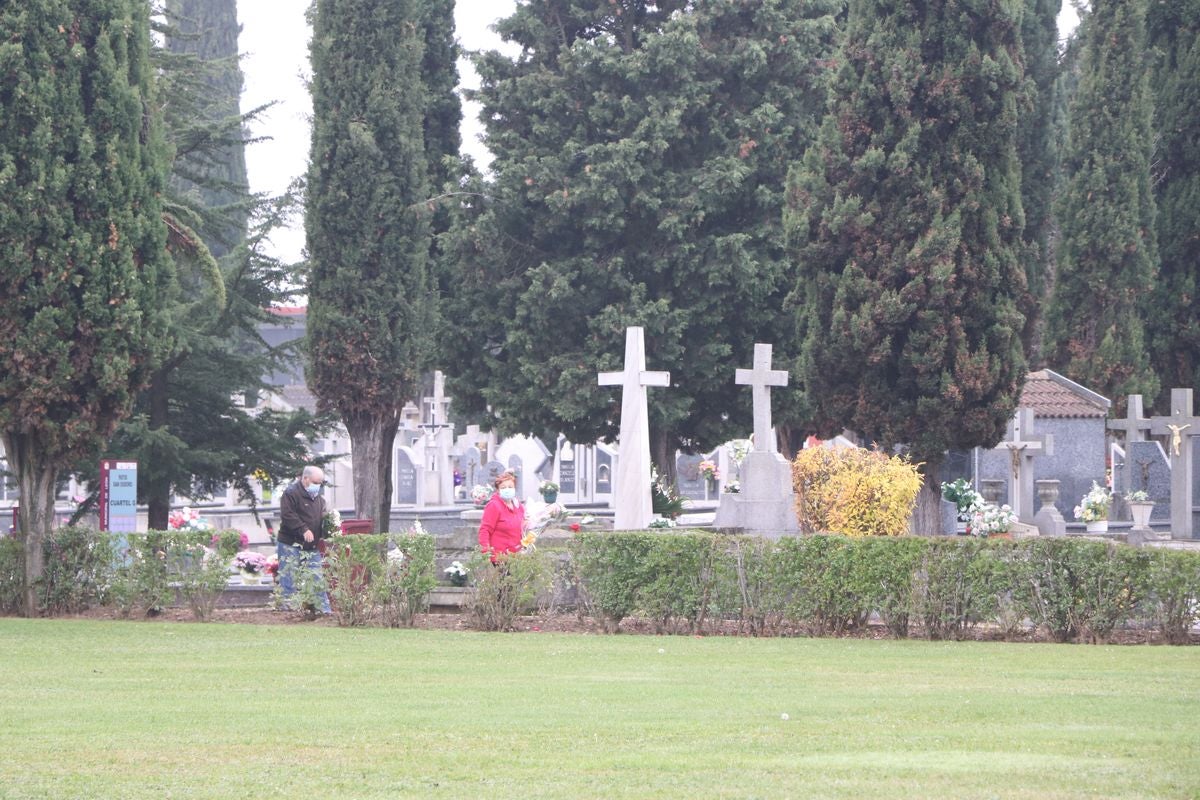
1140,510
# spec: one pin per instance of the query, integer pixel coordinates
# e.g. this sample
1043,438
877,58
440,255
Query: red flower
575,526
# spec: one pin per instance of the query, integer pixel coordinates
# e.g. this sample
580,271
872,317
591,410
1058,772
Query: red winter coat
501,529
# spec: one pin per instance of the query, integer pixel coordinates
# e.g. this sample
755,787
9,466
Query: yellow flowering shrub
854,491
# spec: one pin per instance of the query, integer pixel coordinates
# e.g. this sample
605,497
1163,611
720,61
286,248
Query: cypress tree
1174,31
907,220
1107,259
370,312
82,240
640,154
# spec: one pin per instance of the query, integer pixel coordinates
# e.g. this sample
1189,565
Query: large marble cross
441,432
634,509
760,379
439,404
1023,446
1179,428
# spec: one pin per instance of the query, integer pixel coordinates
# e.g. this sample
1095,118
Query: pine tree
640,153
907,220
82,240
1174,326
371,312
1107,259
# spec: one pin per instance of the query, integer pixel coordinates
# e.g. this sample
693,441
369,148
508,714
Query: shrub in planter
1173,593
609,571
827,588
854,491
509,587
953,587
403,587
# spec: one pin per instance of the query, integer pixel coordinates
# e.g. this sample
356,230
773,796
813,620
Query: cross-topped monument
439,404
1134,425
440,435
764,505
760,379
1023,446
634,508
1179,428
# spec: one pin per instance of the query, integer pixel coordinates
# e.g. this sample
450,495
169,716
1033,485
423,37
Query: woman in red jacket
503,518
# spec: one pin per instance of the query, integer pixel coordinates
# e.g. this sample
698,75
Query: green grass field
137,710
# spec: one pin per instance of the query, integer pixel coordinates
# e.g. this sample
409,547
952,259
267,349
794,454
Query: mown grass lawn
137,710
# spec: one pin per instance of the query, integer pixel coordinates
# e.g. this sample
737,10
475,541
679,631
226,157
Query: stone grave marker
1023,446
688,479
491,471
604,471
1179,428
1149,470
517,465
566,468
407,468
632,499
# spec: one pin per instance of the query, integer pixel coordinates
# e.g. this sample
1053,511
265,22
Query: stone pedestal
1049,520
766,506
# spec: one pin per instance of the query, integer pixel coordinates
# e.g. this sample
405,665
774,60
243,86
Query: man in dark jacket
301,517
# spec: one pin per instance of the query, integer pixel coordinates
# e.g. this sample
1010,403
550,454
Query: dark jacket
299,511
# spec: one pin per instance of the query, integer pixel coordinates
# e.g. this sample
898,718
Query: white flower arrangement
990,519
481,494
547,487
457,573
332,523
1094,505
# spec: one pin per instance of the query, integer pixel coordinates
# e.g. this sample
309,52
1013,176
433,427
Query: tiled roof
1050,395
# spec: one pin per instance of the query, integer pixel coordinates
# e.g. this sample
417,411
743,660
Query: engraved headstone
687,476
406,476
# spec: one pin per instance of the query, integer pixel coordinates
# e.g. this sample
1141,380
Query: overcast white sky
275,43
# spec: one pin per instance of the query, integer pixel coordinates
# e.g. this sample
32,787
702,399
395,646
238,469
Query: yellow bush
854,491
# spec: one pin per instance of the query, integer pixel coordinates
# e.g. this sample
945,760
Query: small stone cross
439,404
634,509
760,379
1179,428
1134,424
1023,447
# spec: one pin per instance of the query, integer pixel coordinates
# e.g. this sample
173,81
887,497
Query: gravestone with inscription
409,476
688,479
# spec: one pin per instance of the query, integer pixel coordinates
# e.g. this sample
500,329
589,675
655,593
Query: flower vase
458,580
550,497
251,578
1099,526
1140,511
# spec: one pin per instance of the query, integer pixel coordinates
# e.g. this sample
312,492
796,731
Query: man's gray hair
310,471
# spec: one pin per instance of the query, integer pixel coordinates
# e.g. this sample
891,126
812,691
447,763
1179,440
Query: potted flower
251,565
966,501
992,520
480,495
457,573
548,490
710,473
1140,506
1093,509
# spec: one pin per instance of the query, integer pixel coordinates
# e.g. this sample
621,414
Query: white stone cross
631,494
439,404
1023,446
760,379
1179,428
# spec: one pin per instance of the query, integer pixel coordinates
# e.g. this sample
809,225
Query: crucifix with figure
634,508
1179,428
1023,446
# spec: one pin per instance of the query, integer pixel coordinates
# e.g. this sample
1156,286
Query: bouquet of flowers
272,566
250,562
481,494
457,573
188,519
331,523
539,516
1094,505
733,487
709,470
547,487
395,562
990,519
966,500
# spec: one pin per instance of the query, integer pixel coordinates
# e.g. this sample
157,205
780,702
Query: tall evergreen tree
907,220
1174,325
370,312
82,240
1107,259
640,153
1037,156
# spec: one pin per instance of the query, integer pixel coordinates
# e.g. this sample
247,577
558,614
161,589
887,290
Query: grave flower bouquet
457,573
990,519
481,494
1094,505
250,562
708,469
331,523
188,519
547,487
966,500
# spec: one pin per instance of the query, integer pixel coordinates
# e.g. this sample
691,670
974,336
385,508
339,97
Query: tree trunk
371,440
37,479
927,515
661,456
158,484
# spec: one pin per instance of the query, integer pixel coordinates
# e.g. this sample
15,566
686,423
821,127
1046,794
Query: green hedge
939,588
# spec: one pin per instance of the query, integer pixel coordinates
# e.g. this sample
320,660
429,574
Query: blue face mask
508,493
313,489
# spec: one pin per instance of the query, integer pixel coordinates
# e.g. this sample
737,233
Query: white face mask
508,493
